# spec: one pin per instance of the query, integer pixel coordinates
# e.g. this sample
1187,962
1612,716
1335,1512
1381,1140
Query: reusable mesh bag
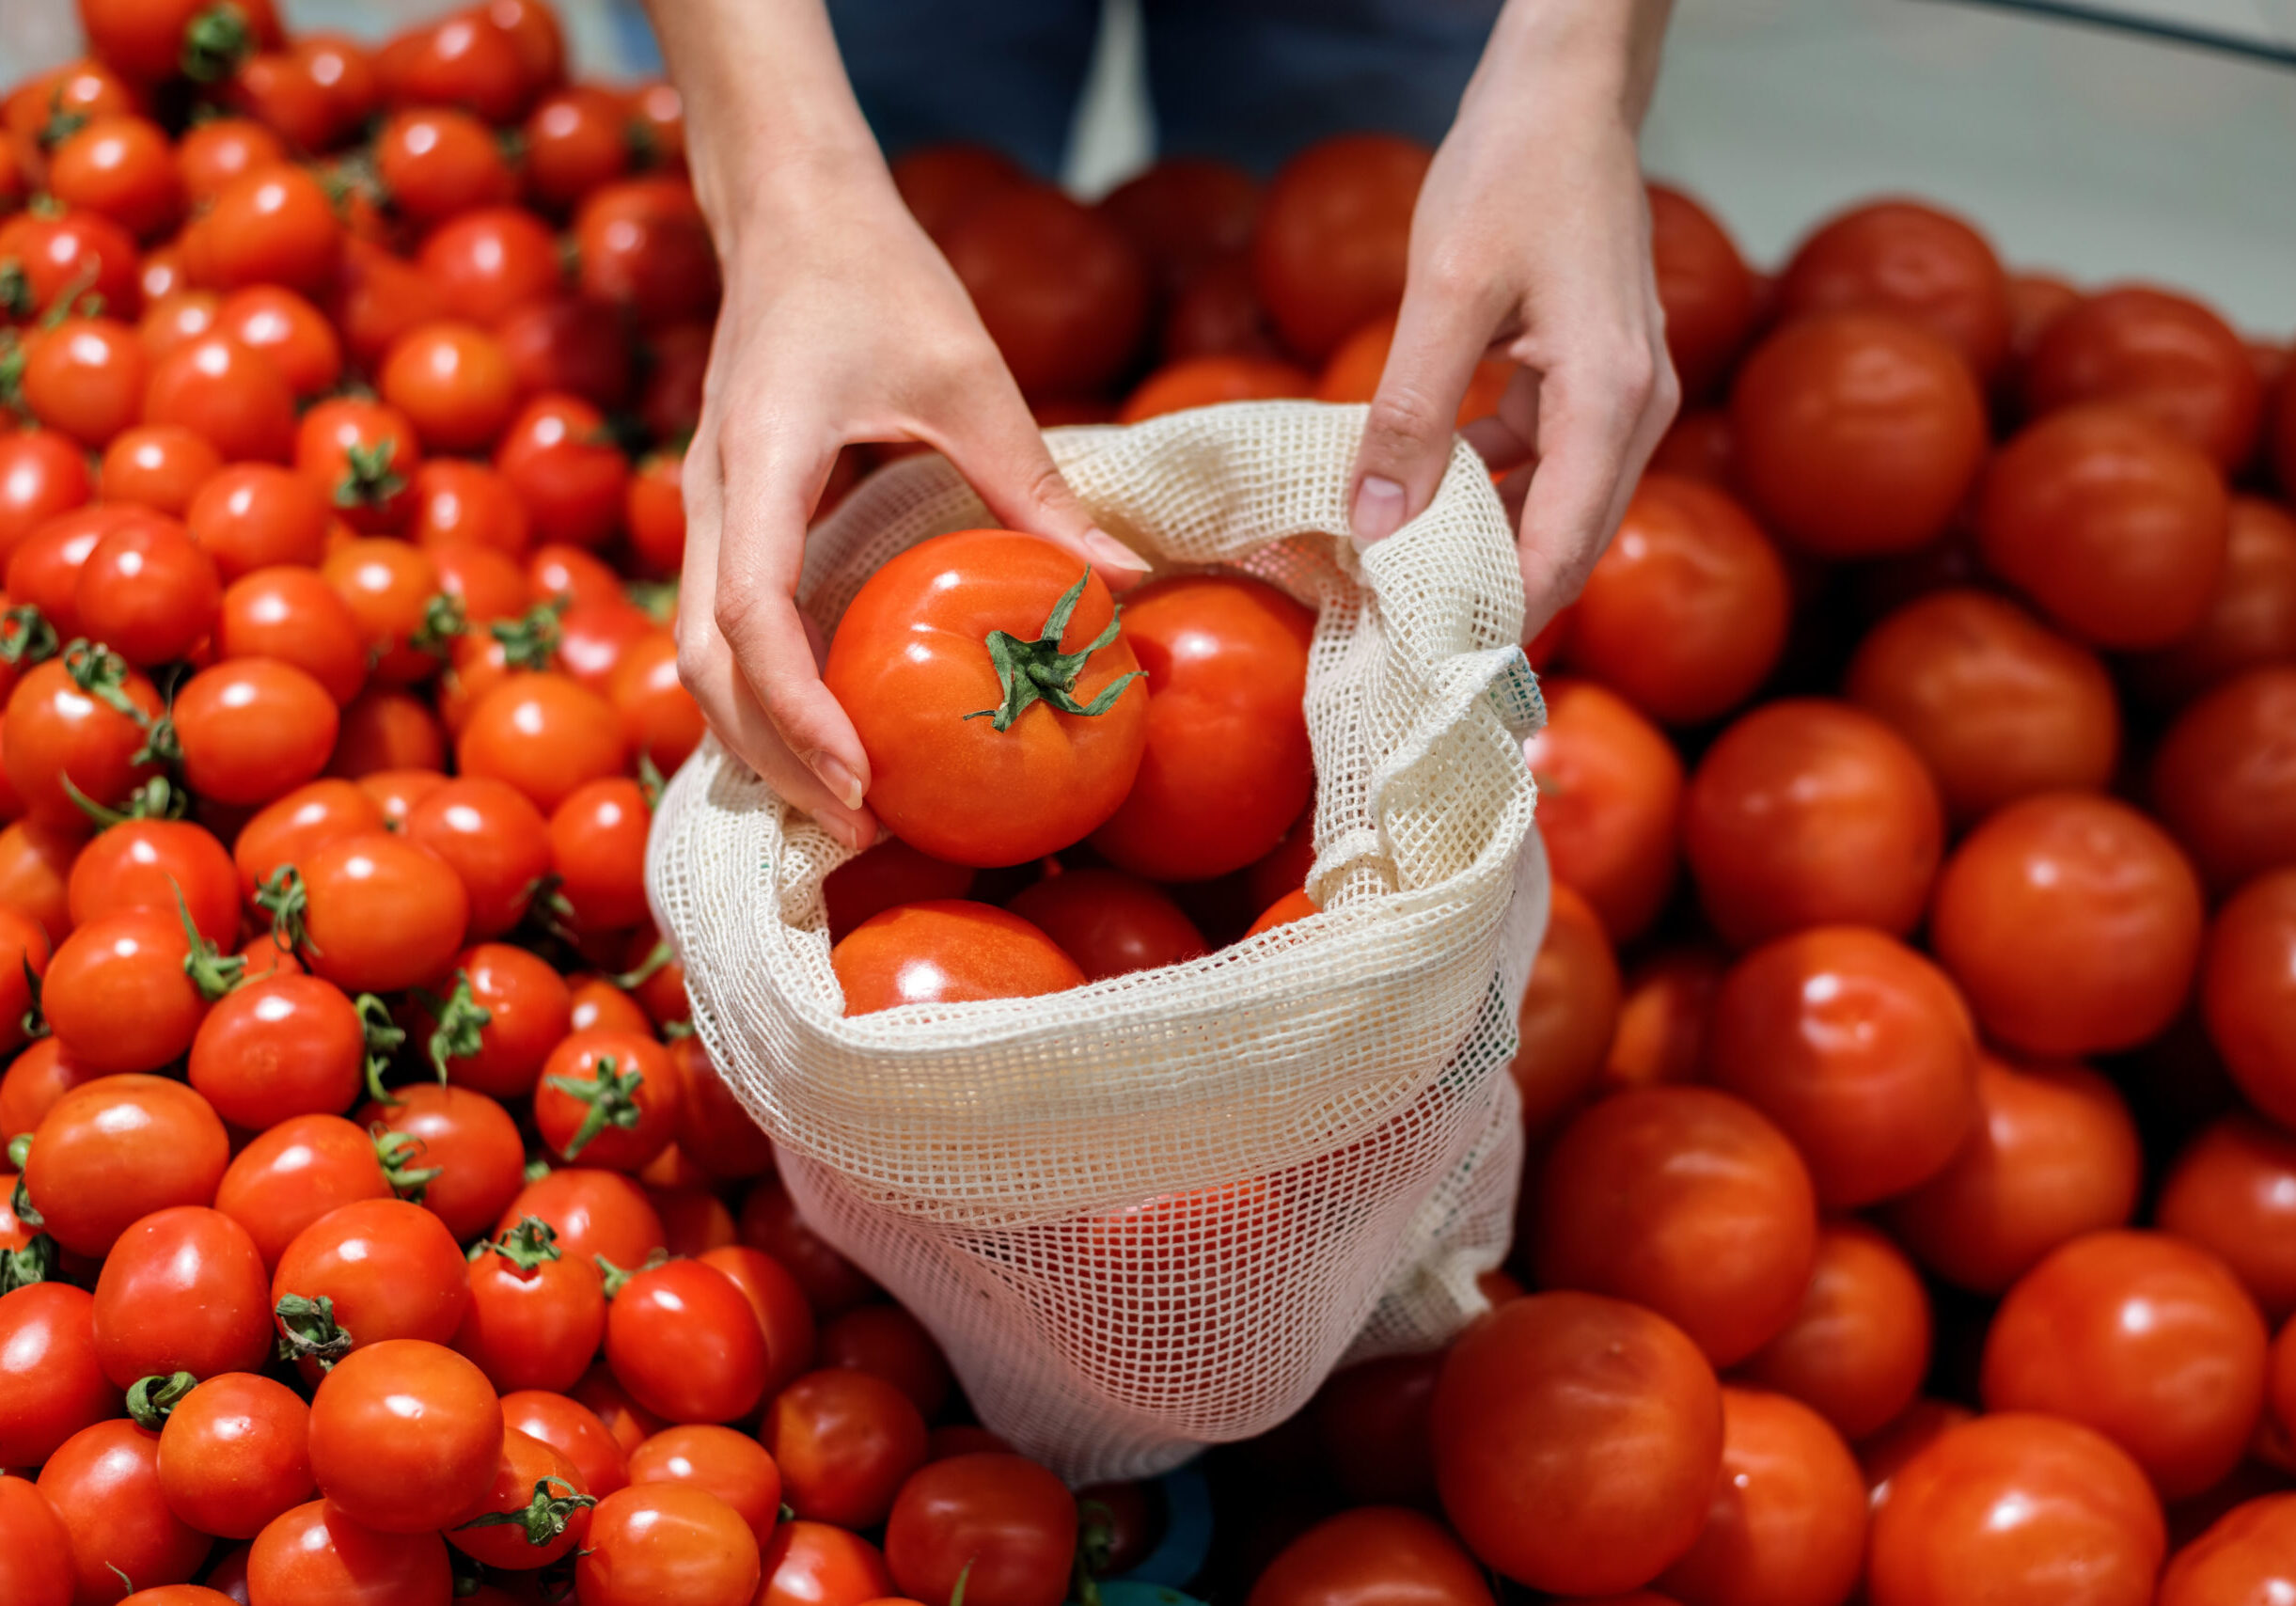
1157,1211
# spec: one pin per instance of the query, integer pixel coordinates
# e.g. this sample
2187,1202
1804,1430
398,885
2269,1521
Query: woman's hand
1533,237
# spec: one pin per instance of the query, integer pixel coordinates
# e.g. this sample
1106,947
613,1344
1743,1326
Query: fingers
1509,437
1439,337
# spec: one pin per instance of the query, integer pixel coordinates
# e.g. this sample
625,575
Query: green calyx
158,798
383,1037
370,480
396,1152
19,1198
35,1022
26,636
530,640
38,1261
612,1097
15,288
103,674
308,1331
281,896
646,969
459,1020
215,41
444,624
533,1242
544,1517
613,1276
213,971
1038,671
150,1399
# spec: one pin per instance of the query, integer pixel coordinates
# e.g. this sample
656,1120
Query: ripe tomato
453,383
24,951
595,1214
2251,618
1857,434
277,1049
83,719
64,260
234,1456
544,734
464,59
180,315
536,1316
497,845
1002,1523
1808,812
574,1431
1354,370
683,1340
846,1441
1998,705
938,183
770,1221
391,1271
1684,1199
1335,227
53,1381
2071,924
597,840
667,1545
569,344
528,1010
556,456
785,1320
456,502
181,1290
1704,286
35,1079
160,466
406,1434
104,1482
1180,215
2164,356
317,1555
435,162
290,614
725,1462
1858,1347
1061,289
659,716
253,730
815,1564
1597,1414
363,456
2248,991
1685,613
116,1149
1109,922
1916,262
85,378
947,952
576,140
1858,1048
35,1549
210,154
2232,1191
1698,446
289,330
380,913
1609,794
235,398
630,1423
1207,381
541,1493
147,864
41,475
253,515
1569,1011
641,243
296,1172
297,825
2224,778
893,873
1786,1526
385,730
468,1138
2245,1555
82,90
611,1099
888,1343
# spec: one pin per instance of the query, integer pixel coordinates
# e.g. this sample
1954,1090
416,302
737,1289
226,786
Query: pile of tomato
1909,1068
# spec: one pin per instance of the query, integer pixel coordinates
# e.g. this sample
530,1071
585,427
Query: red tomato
576,140
297,825
641,244
469,1139
35,1079
149,864
380,913
316,1555
1609,794
384,730
544,734
24,955
784,1318
2071,923
1058,287
290,614
1809,812
1858,1349
210,154
235,398
2248,1554
1598,1416
2232,1190
1787,1522
41,475
2164,356
1373,1428
289,330
938,183
947,952
391,1272
630,1423
253,730
2251,618
457,502
608,1097
893,873
770,1221
181,1290
845,1441
65,723
2015,1500
2053,1154
1180,215
541,1491
1857,434
363,455
2248,991
35,1549
2037,301
35,861
53,1381
813,1564
667,1545
1003,1525
67,259
406,1434
1218,314
1569,1011
1207,381
2224,778
528,1010
2113,527
659,716
464,59
116,1149
1998,705
85,378
1914,261
495,841
453,383
569,345
888,1342
574,1431
1335,227
86,88
1698,446
435,162
1703,286
683,1340
301,1169
597,841
594,1213
104,1482
234,1455
160,466
252,515
1109,922
724,1461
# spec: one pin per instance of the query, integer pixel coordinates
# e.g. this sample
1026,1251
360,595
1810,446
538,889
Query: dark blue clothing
1249,80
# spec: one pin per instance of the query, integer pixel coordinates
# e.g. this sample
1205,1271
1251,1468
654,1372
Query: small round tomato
1596,1413
2232,1190
947,952
181,1290
544,734
2164,355
571,478
682,1340
816,1564
667,1545
289,330
406,1434
2071,923
889,873
1811,812
363,456
213,153
496,843
293,1173
1569,1012
290,614
65,723
43,572
536,1316
527,1010
1181,213
1372,1428
888,1342
641,244
41,473
156,864
467,1139
378,298
1609,794
160,466
1002,1523
574,1431
85,378
115,1149
51,1383
253,730
453,383
35,1549
2224,778
464,59
2248,1554
539,1491
770,1221
236,399
2251,618
1109,922
104,1482
298,825
35,867
596,1214
611,1096
317,1555
24,951
234,1456
180,315
569,345
388,1270
784,1318
1858,1048
576,140
1787,1522
388,729
2248,991
1209,380
1998,705
380,913
466,503
280,1047
435,162
65,261
1858,1347
253,515
728,1463
1916,262
630,1423
659,716
597,840
1703,286
1329,252
845,1442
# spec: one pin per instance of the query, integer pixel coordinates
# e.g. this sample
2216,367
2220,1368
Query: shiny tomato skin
1811,812
144,864
574,1430
435,162
289,330
290,615
2250,616
667,1545
234,396
453,383
1610,789
2232,1191
384,913
393,1272
35,1549
598,848
947,952
785,1319
254,515
652,1105
115,1149
55,731
595,1212
939,182
1787,1522
573,480
1910,260
2071,924
2224,778
162,467
382,728
297,1171
2029,1503
1596,1413
845,1441
317,1555
1004,1523
888,1343
725,1461
1704,286
234,1455
471,1140
35,1079
118,994
1226,767
530,1010
527,1466
815,1564
182,1290
1857,1349
1857,435
1570,1011
407,1434
544,734
2249,1554
1060,288
2164,356
104,1482
288,831
253,730
770,1222
85,378
660,716
683,1340
1685,1200
575,140
2248,991
494,840
641,244
1109,922
1331,244
909,662
55,1382
41,473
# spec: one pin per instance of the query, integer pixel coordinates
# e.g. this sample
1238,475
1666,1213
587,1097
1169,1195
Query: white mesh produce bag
1157,1211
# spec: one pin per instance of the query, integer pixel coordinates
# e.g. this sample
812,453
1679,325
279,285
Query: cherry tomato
1703,286
659,716
1109,924
453,383
845,1441
630,1423
385,730
2224,778
544,734
888,1342
469,1139
36,1078
815,1564
574,1431
1002,1523
1569,1011
104,1482
116,1149
532,1480
147,864
160,466
298,825
233,1455
181,1290
435,162
2164,356
303,1168
292,616
54,1379
567,472
253,515
641,244
64,259
363,456
1914,261
2251,618
1329,252
785,1319
726,1463
576,140
85,378
41,473
535,1316
2071,924
35,1549
457,502
210,154
497,845
2248,991
1180,215
379,297
571,345
770,1221
1858,1347
406,1434
1609,794
86,88
317,1555
63,724
667,1545
289,330
2231,1191
597,840
609,1098
382,913
253,730
683,1340
1788,1523
23,953
464,59
528,1009
2247,1554
234,397
594,1213
947,952
938,183
391,1271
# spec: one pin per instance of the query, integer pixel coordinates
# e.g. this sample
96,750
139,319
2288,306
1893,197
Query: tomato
464,59
2071,924
1858,1347
65,723
577,139
1610,793
2053,1155
253,515
458,502
1569,1011
112,1150
469,1139
317,1555
536,1512
1209,380
35,1549
299,823
406,1434
1703,288
641,244
274,225
659,716
947,952
888,1342
785,1320
1597,1414
611,1096
597,840
66,261
1003,1525
2251,618
1372,1428
180,315
453,383
104,1482
2246,1555
362,454
1857,434
528,1008
683,1339
568,344
233,397
1811,812
845,1441
435,162
210,154
58,97
556,456
1109,924
44,572
2029,1505
1912,261
726,1463
1718,1232
535,1316
494,841
667,1545
544,734
1999,706
55,1382
1787,1522
149,864
630,1423
594,1213
181,1290
298,1171
1329,250
2224,778
574,1431
380,913
277,1049
253,730
2231,1191
85,378
938,183
891,873
1218,314
41,475
2164,356
770,1221
289,330
391,1271
1181,213
2248,991
290,615
379,297
233,1455
385,730
161,467
36,1078
23,953
122,168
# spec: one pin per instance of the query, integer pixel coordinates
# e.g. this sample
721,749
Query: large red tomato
1921,264
1181,213
1858,1347
917,656
1001,1526
947,952
1788,1523
1333,237
1704,286
2166,355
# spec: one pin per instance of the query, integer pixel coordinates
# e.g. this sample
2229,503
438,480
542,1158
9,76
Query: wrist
1579,59
769,186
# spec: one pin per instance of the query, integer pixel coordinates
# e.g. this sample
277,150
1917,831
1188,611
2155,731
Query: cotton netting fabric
1156,1212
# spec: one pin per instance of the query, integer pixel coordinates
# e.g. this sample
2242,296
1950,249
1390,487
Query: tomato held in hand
234,1455
948,951
1001,1524
914,657
406,1434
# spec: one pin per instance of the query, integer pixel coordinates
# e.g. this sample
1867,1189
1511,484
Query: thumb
1407,438
1001,453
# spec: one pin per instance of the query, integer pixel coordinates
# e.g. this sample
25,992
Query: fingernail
1378,509
835,774
844,830
1113,554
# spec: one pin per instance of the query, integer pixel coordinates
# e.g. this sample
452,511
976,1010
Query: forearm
1606,50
